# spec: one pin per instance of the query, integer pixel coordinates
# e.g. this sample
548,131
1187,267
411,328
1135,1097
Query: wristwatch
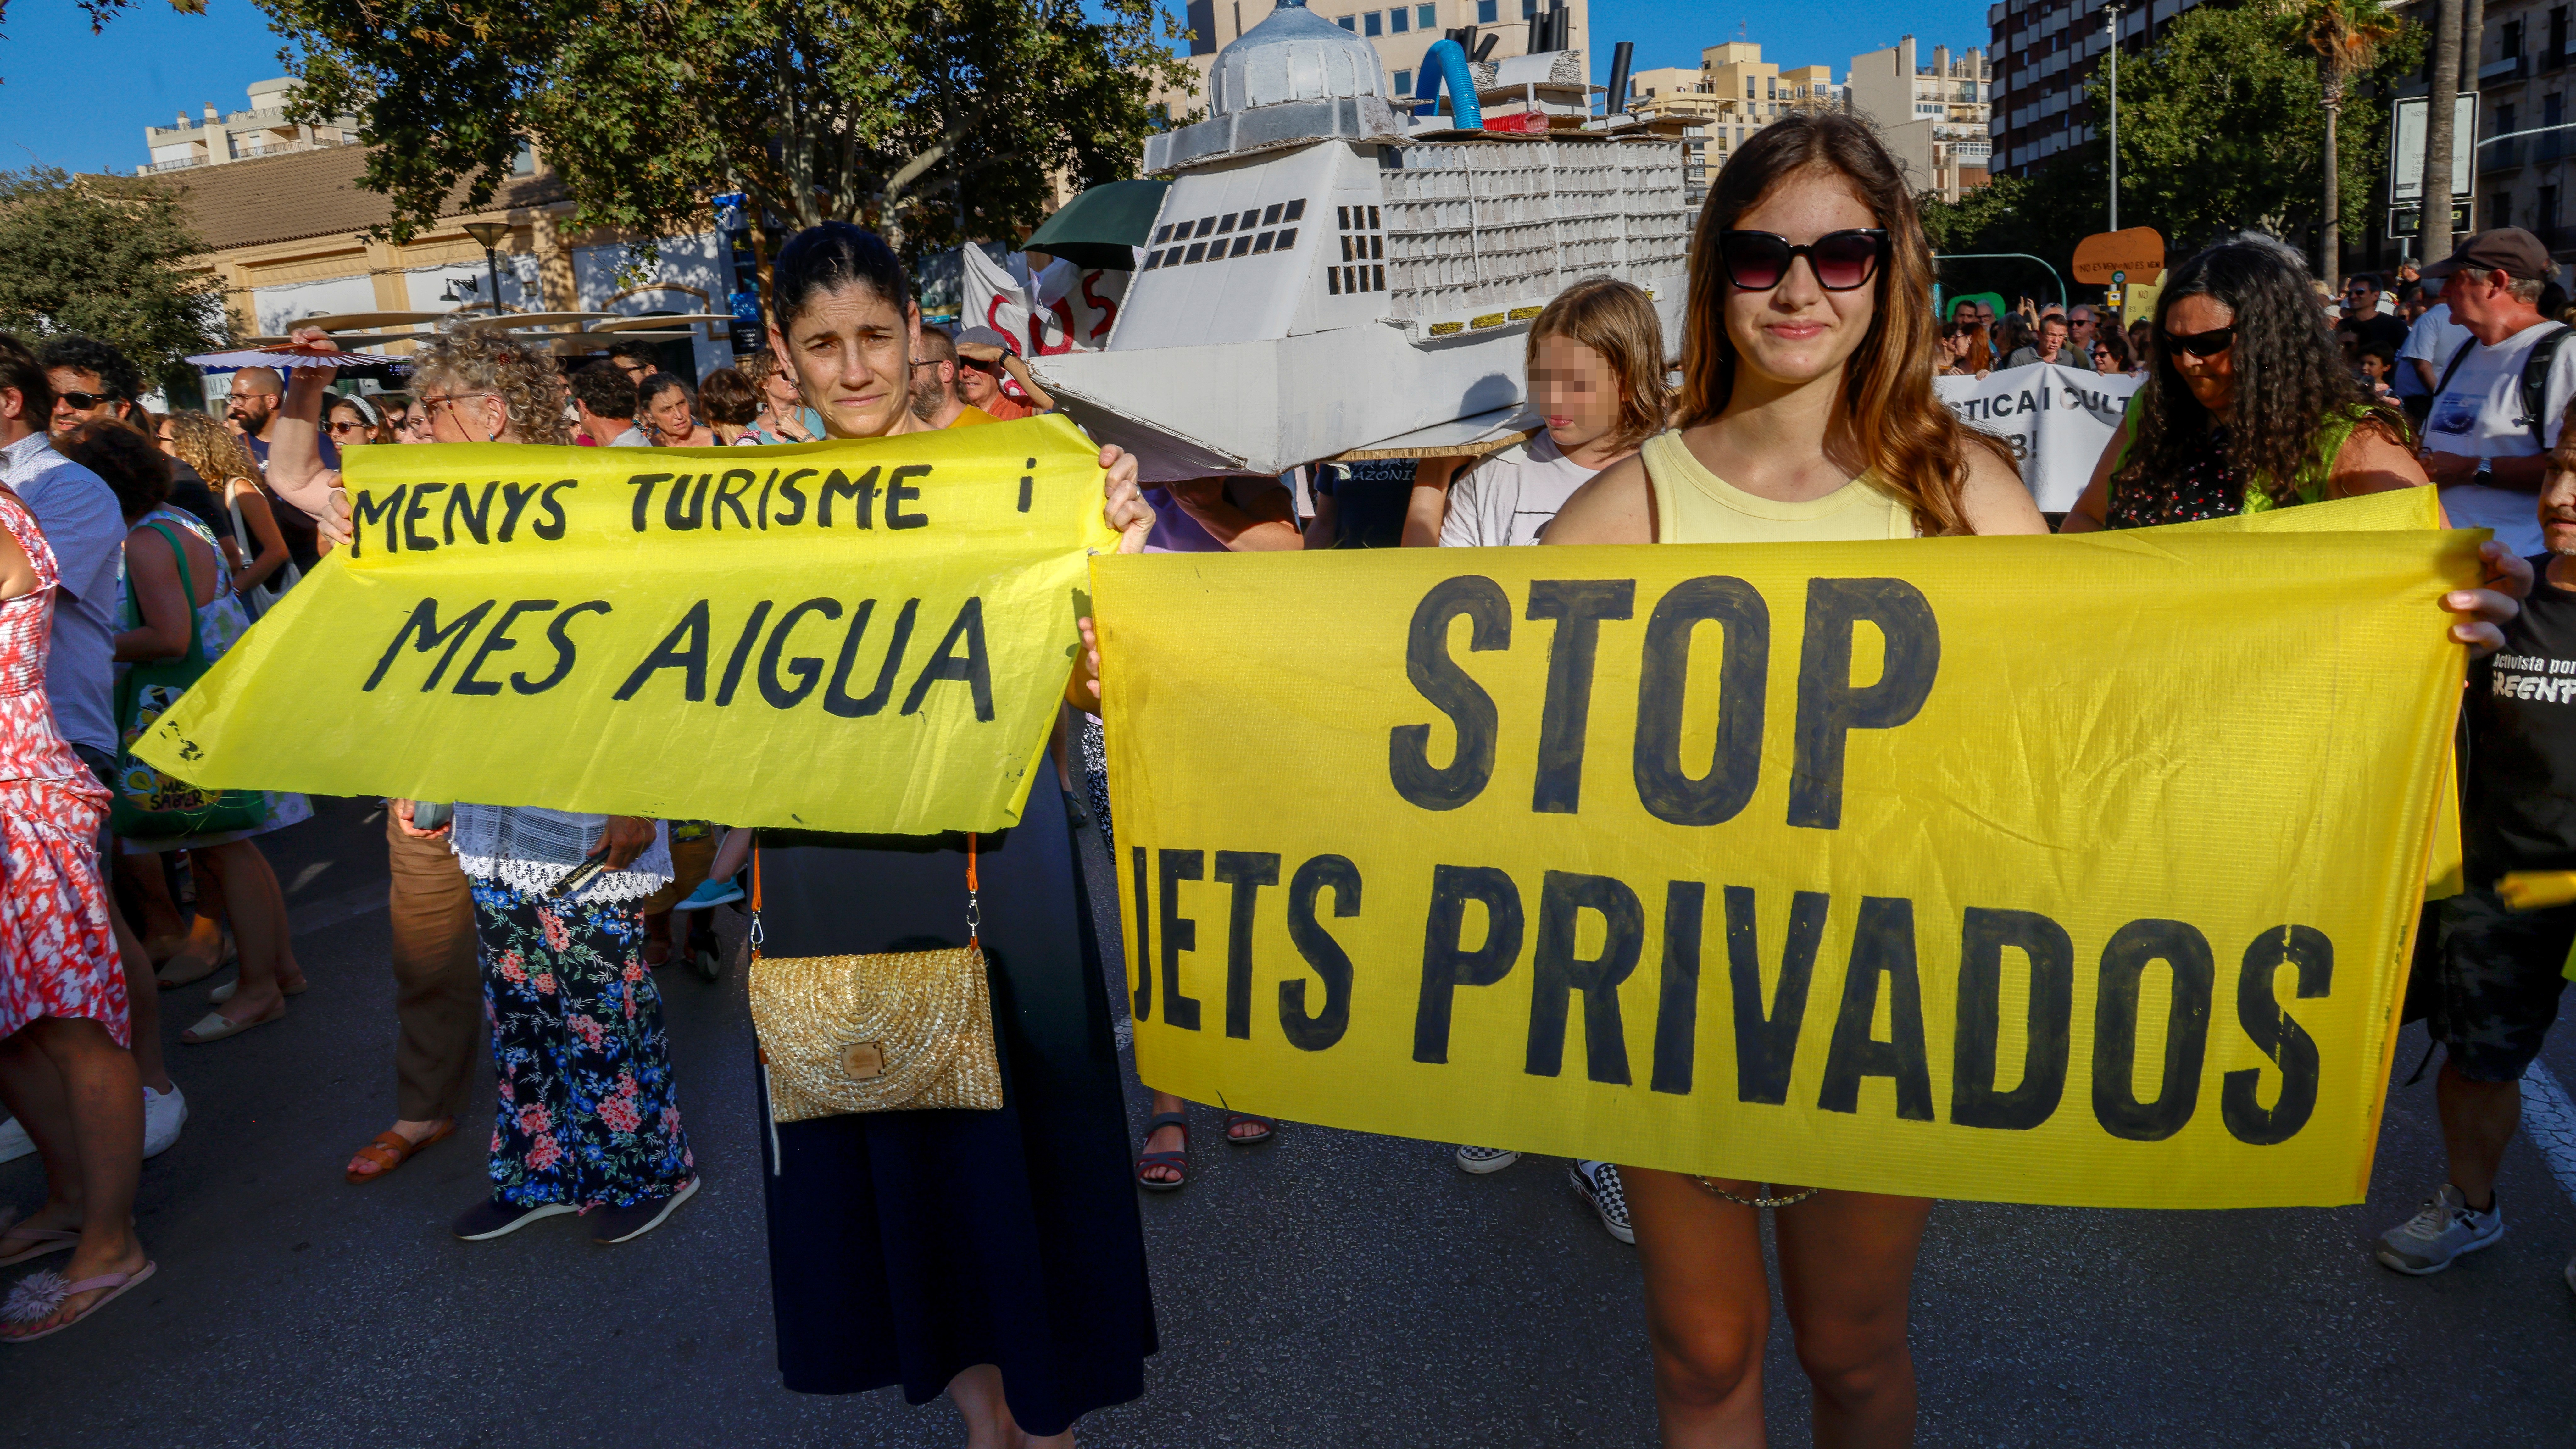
2483,472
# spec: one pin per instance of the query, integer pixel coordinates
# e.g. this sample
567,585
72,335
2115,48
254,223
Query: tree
2223,126
2433,229
930,120
2347,36
108,256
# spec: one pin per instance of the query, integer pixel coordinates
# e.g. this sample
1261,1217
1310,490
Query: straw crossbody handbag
889,1032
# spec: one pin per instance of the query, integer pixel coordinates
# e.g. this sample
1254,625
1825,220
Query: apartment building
1734,93
262,130
1399,33
1934,116
2526,141
2044,54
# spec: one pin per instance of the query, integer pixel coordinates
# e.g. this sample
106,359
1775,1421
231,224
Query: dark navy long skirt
907,1246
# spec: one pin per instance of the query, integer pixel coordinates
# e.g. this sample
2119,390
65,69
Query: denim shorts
2500,973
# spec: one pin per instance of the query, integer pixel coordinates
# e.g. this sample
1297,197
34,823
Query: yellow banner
833,636
2069,870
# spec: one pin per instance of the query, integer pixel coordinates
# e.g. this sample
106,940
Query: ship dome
1294,55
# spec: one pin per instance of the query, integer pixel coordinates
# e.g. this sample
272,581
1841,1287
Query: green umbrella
1096,229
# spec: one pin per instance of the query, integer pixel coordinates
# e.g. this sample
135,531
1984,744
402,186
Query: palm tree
2347,36
2433,228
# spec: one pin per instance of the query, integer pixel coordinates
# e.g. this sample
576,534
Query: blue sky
80,101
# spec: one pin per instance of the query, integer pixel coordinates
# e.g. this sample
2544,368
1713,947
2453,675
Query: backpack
2535,381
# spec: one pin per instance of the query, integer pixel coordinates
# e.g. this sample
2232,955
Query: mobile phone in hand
426,816
580,876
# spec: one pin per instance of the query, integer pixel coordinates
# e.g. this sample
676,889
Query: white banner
2057,419
1072,310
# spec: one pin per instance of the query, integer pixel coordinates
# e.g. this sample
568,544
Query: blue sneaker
712,893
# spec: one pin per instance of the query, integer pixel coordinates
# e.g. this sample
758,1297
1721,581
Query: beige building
1734,93
262,130
1399,33
283,234
1934,116
2525,145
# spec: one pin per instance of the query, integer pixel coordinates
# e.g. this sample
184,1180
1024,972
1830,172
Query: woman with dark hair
2111,352
1969,354
1807,416
2247,405
666,408
994,1254
732,406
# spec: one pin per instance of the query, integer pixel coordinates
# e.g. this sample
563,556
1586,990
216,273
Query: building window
523,162
1426,17
1350,23
1373,22
2548,217
2499,210
1528,8
1404,83
1399,20
2512,40
1489,11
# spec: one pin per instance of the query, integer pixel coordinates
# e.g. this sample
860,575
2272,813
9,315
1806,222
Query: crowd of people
136,547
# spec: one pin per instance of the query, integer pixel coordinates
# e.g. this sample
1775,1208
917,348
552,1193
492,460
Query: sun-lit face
1797,331
978,383
2558,511
851,353
669,415
347,428
2212,379
79,396
1572,386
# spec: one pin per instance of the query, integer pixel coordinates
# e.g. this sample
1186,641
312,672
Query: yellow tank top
1694,505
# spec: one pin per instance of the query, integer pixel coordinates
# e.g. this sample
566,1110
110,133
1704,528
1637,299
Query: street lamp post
2111,24
489,235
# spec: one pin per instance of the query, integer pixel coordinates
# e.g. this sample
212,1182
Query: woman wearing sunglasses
354,420
1807,416
2247,405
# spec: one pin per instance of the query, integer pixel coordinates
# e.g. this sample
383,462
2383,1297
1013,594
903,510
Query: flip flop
40,1292
1269,1128
217,1026
226,953
391,1149
224,993
1178,1161
44,1240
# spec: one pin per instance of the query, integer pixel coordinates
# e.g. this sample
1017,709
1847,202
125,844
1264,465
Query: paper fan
292,354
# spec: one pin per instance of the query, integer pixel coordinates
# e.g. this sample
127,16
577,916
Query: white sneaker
164,1113
14,1141
1486,1159
2444,1228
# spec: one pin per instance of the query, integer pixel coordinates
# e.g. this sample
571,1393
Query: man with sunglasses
94,380
2370,324
2497,409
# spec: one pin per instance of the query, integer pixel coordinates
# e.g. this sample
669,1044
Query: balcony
2511,68
182,164
2548,146
2499,156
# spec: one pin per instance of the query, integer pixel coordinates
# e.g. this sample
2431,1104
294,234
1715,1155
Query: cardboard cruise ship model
1331,274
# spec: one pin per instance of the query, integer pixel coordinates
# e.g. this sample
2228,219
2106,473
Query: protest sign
2068,870
866,636
2057,419
1062,309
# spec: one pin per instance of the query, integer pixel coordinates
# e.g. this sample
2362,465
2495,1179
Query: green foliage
2044,215
1957,226
107,256
2222,127
923,118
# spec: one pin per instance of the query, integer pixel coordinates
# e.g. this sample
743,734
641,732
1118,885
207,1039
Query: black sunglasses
84,401
1757,261
2202,344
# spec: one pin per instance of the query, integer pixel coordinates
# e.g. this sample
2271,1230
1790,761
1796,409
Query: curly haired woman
2247,405
587,1117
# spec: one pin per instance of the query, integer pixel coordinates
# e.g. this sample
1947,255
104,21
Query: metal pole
493,258
1991,256
2111,22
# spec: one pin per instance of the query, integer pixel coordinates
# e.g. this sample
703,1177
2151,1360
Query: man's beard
927,399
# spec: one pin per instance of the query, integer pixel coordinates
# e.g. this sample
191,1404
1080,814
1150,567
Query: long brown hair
1616,319
203,444
1915,449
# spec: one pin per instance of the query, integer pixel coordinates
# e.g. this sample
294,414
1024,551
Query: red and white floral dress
57,952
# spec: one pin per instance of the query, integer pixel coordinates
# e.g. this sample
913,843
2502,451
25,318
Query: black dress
905,1247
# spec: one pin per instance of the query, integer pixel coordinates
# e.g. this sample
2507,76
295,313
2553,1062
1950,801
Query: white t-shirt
1510,496
2434,339
2480,416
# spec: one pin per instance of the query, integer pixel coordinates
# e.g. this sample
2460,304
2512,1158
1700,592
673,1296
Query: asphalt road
1330,1288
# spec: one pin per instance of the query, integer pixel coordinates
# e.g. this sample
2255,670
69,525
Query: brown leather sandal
391,1150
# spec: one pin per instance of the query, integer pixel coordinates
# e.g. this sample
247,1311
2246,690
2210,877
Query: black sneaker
619,1224
488,1220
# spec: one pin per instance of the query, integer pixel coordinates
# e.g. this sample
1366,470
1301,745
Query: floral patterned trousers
587,1114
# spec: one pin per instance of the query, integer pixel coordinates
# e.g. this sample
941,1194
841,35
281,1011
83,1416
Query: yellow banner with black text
2071,870
865,636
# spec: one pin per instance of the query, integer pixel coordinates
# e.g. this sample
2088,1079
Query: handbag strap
974,900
